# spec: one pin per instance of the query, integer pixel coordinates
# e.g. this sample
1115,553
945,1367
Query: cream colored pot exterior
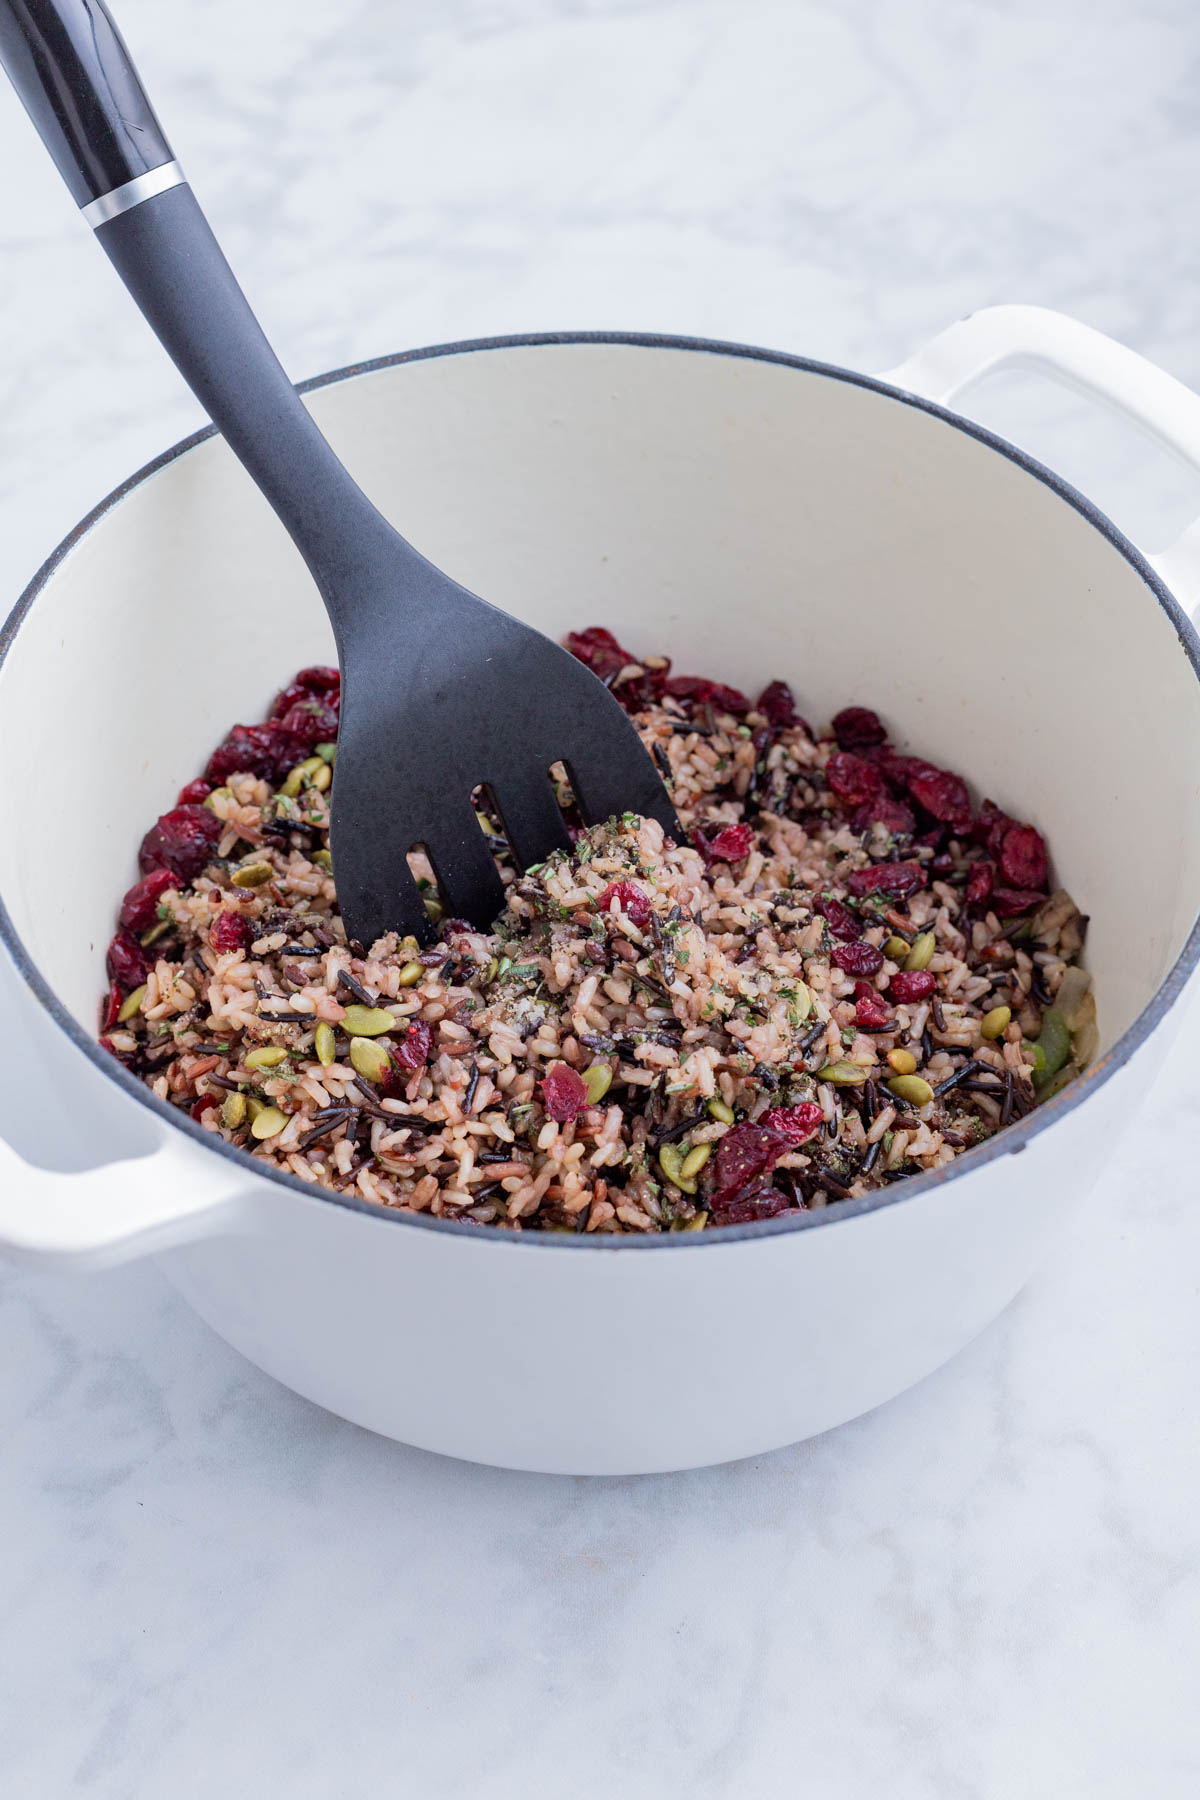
753,516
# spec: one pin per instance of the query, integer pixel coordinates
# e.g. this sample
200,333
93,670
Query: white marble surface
992,1587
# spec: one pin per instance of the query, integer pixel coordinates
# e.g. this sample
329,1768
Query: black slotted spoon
441,693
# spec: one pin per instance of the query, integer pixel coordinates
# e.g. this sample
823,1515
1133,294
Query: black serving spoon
441,692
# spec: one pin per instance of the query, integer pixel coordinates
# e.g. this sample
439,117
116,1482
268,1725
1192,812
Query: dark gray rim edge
1010,1142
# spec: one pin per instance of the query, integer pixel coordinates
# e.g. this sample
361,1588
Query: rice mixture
848,975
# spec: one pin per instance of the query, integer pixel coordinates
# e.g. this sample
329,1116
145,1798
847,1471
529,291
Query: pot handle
1033,337
156,1189
92,1218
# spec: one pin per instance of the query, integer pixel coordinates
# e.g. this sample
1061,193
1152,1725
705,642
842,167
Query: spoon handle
75,78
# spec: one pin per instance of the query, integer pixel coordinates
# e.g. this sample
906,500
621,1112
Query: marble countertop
990,1588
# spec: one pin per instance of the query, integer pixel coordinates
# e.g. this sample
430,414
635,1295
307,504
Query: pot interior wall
749,519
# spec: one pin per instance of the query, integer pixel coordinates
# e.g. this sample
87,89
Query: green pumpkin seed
897,948
434,907
1085,1036
268,1123
903,1061
233,1111
322,777
597,1080
697,1222
843,1074
411,973
371,1060
254,1105
327,753
268,1057
155,932
921,954
1054,1084
295,781
253,875
1055,1043
323,859
913,1088
995,1023
324,1043
485,825
717,1109
670,1161
131,1005
368,1021
221,793
694,1161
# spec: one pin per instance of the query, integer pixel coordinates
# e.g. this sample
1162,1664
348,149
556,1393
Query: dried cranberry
415,1047
898,769
777,705
600,651
126,962
753,1203
796,1123
1009,902
606,657
313,721
942,865
139,908
894,879
204,1104
267,751
911,984
733,843
840,920
563,1092
230,931
942,794
858,959
110,1007
893,815
182,841
309,682
744,1153
1023,857
320,678
991,827
870,1008
697,691
633,901
852,778
979,883
287,698
857,726
195,792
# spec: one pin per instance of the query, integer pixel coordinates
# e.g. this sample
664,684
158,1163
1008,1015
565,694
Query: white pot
753,515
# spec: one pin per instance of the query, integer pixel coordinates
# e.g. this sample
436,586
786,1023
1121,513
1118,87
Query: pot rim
1010,1142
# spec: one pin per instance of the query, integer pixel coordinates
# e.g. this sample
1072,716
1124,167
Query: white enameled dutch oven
753,515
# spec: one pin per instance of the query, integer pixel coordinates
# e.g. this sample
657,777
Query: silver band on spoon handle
132,193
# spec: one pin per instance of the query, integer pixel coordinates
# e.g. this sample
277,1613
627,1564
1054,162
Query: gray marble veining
991,1588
